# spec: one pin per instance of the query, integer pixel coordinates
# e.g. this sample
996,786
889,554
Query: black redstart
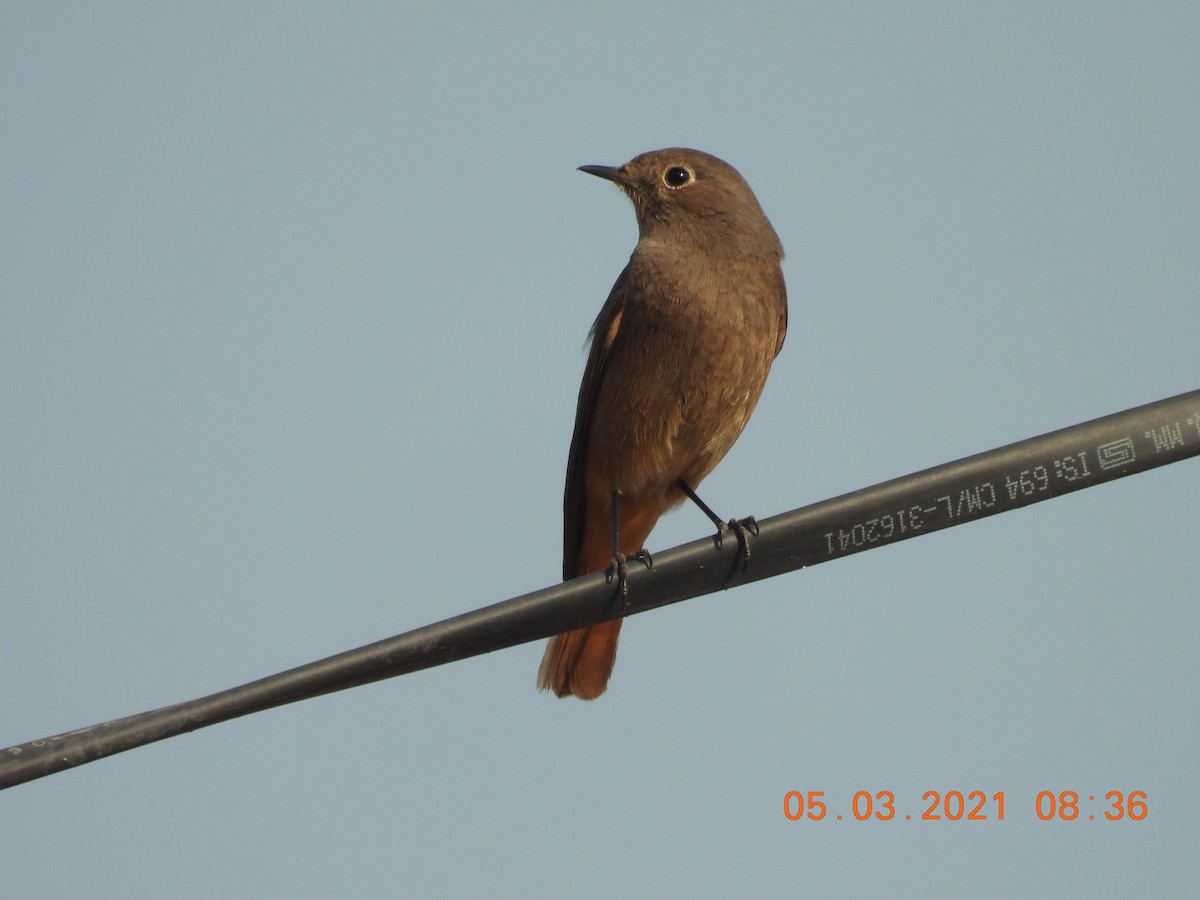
679,355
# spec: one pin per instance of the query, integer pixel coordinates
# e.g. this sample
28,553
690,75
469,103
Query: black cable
993,482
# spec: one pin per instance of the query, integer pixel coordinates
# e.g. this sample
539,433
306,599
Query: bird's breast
684,372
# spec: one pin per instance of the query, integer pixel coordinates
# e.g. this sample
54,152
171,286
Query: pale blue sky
293,301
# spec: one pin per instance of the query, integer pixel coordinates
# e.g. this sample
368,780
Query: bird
677,360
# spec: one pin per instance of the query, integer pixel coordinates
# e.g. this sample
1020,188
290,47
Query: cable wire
955,493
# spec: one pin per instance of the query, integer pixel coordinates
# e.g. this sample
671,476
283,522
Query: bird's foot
619,570
743,528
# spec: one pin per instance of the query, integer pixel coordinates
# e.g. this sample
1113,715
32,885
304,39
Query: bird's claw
620,570
743,528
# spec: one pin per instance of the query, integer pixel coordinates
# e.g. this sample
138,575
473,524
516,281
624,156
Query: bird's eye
677,176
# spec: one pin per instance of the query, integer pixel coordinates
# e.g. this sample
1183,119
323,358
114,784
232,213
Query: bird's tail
580,662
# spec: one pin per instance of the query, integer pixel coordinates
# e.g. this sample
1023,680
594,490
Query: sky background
292,306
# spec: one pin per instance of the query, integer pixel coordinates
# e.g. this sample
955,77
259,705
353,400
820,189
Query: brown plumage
679,355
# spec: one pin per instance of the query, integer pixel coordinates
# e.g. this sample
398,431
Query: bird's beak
608,173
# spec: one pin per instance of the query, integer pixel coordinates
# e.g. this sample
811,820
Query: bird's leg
743,528
620,562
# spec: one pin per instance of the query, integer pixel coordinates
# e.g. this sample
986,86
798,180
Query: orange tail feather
580,662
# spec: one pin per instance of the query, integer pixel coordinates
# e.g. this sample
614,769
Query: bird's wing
603,334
